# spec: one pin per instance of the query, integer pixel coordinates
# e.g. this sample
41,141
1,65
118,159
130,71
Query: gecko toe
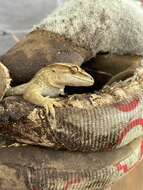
49,105
49,109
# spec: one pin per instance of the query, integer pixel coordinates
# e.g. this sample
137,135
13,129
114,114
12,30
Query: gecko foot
49,105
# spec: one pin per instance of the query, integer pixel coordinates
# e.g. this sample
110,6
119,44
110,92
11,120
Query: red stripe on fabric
128,107
132,125
123,168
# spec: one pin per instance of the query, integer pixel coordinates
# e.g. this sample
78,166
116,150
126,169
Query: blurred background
18,16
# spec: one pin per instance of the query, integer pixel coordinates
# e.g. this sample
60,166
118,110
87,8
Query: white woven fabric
114,26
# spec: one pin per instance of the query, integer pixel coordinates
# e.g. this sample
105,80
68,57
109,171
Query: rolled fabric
99,25
34,168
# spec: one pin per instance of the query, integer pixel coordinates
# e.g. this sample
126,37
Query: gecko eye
74,69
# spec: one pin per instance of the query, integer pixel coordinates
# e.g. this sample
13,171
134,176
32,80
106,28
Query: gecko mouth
91,80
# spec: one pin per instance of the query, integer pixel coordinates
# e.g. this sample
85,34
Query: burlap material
91,122
33,168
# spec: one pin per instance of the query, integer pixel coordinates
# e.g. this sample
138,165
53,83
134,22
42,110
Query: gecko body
49,82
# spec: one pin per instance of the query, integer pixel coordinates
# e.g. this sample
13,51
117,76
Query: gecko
49,82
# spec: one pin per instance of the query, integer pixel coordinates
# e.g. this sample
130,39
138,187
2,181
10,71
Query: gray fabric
114,26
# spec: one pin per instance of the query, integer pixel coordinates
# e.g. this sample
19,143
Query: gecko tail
18,90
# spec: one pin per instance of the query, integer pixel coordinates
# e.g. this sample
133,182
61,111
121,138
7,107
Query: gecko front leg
33,94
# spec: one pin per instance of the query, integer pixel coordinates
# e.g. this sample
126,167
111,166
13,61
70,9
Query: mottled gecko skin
49,82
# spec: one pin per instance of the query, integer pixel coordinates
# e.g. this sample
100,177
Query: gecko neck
53,91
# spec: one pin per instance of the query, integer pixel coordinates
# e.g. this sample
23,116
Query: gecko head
67,74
